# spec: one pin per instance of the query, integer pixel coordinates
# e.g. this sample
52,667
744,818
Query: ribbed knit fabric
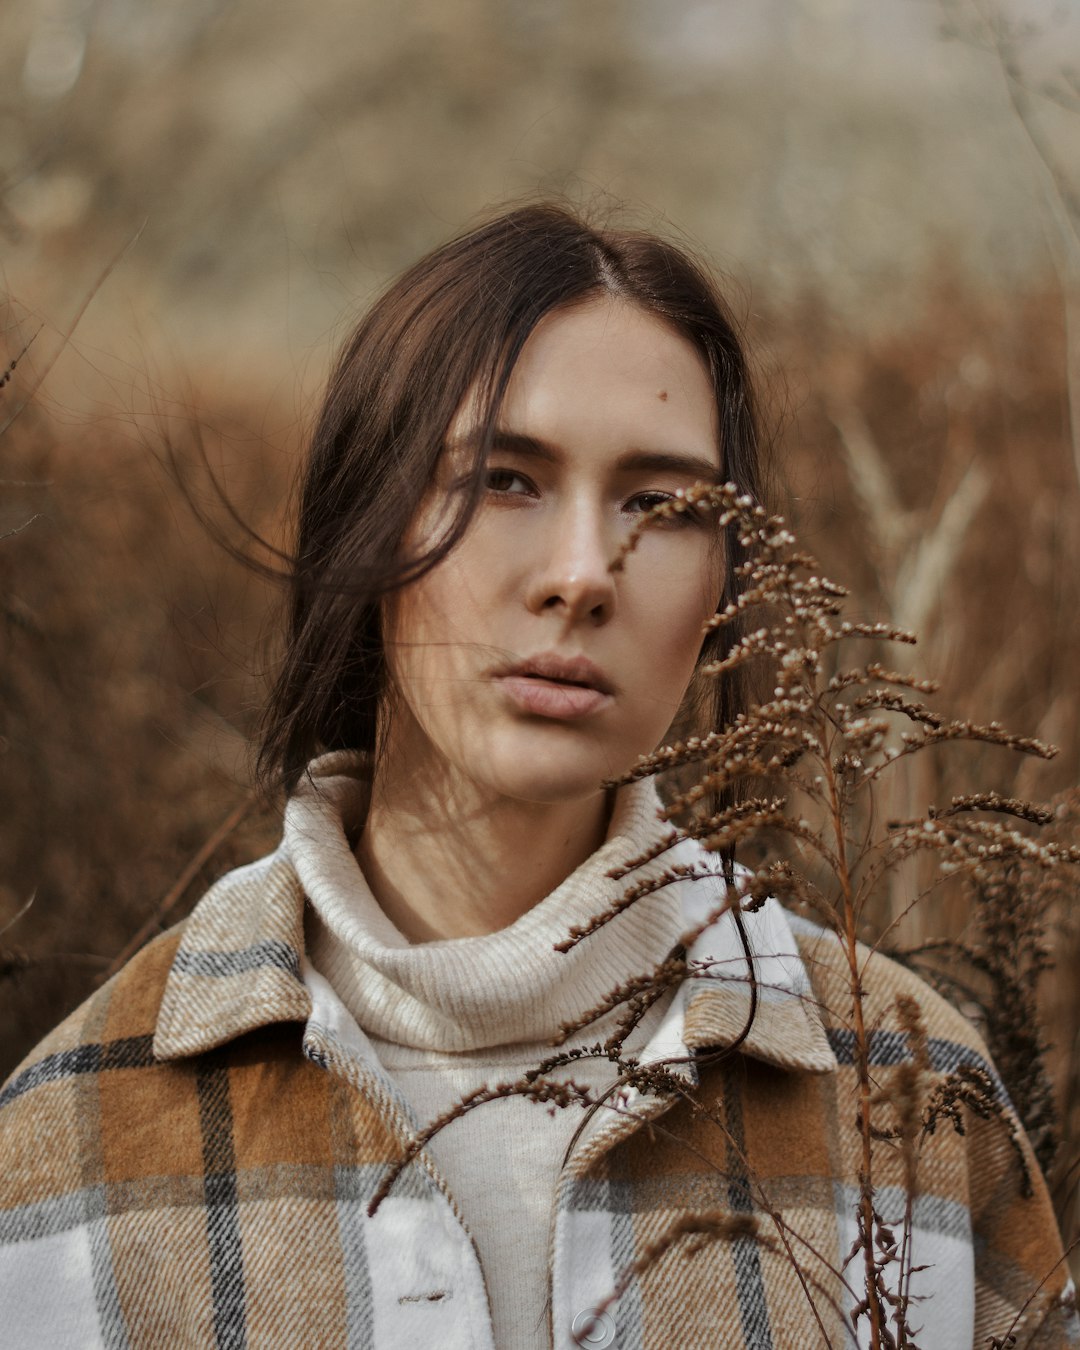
445,1017
471,993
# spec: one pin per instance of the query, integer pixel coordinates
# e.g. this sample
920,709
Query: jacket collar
238,963
238,967
719,994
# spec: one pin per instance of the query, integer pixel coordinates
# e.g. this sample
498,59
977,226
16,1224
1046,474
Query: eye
644,502
507,482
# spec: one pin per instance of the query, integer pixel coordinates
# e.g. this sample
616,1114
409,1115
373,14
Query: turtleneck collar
465,994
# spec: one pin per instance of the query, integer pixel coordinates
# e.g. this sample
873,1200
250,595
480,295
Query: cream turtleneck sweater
445,1017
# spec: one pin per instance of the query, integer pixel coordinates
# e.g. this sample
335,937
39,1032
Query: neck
445,859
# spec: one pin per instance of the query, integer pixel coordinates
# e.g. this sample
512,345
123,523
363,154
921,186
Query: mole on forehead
662,396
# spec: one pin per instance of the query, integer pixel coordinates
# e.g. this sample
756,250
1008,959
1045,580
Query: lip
560,687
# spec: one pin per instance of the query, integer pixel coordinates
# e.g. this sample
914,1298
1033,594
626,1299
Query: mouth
563,688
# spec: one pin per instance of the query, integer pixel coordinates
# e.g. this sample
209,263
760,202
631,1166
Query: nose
573,576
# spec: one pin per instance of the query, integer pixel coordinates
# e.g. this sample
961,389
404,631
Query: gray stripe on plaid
270,954
934,1213
81,1209
132,1052
61,1213
629,1326
48,1217
637,1197
85,1092
749,1285
222,1219
891,1047
359,1297
361,1182
930,1213
106,1295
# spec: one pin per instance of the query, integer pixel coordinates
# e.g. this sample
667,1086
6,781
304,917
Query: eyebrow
649,461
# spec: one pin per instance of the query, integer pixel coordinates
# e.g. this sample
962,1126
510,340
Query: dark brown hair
457,319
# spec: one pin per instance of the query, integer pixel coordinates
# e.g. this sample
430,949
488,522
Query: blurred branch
870,475
19,528
926,557
1020,98
1063,201
23,909
176,892
926,568
65,337
992,32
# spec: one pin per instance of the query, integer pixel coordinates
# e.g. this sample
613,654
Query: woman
192,1157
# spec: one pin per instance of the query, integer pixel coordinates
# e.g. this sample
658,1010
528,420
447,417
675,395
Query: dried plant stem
849,939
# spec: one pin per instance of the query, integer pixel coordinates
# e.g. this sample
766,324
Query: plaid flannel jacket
188,1160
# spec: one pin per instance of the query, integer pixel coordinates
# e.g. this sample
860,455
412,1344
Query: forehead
605,374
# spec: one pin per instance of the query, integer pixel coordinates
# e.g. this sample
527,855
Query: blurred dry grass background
889,181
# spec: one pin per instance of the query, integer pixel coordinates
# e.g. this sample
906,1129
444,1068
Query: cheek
409,637
430,626
681,592
685,592
687,636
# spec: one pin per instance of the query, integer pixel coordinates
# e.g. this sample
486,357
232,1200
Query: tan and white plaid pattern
188,1159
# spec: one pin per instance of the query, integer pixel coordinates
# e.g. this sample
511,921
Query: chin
552,774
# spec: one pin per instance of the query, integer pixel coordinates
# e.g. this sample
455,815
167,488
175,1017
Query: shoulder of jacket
124,1011
884,982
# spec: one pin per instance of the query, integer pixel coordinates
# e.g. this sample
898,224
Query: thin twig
65,337
176,892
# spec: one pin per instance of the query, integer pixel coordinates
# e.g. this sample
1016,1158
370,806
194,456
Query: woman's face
521,661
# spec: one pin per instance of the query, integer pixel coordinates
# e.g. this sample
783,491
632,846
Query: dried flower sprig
829,736
798,779
542,1090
